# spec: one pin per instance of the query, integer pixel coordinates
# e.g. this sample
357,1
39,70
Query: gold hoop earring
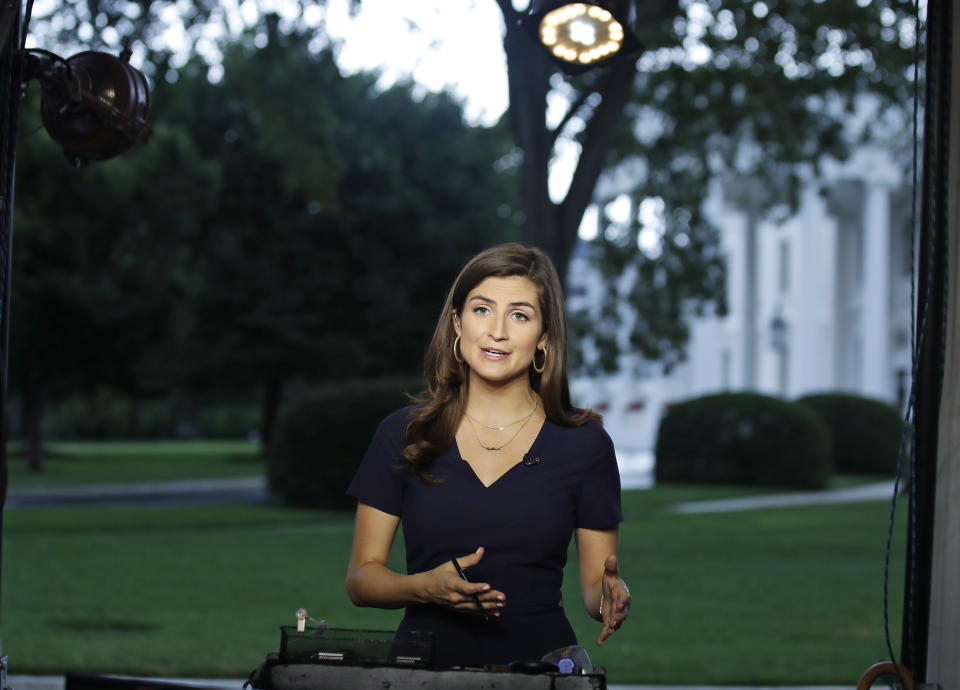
543,366
456,355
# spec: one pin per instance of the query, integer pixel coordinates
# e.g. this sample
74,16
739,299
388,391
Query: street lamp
580,35
779,332
780,341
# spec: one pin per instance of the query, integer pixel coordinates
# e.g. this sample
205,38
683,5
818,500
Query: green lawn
784,596
88,462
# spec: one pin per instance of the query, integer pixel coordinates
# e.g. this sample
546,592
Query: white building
819,300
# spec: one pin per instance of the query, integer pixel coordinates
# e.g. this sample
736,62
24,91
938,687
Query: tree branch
509,14
571,111
614,93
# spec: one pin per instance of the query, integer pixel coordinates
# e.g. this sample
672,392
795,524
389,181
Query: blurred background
243,296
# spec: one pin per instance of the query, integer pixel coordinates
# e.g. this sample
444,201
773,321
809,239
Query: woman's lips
490,353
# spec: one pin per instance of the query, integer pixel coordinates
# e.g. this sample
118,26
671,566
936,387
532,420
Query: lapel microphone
530,460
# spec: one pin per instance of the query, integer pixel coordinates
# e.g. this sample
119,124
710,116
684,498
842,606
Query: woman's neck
500,404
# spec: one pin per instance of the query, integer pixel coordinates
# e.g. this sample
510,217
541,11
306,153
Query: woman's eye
480,309
520,316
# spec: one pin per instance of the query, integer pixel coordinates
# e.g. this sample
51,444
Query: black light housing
93,104
581,35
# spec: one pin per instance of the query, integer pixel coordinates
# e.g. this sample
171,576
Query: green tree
342,215
285,222
753,88
97,267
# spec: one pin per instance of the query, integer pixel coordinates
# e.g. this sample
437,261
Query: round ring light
581,34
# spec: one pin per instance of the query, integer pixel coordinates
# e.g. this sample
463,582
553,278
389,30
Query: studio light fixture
95,105
580,35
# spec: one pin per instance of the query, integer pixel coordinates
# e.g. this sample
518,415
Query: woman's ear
456,321
542,341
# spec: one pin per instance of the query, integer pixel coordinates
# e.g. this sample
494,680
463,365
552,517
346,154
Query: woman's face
500,328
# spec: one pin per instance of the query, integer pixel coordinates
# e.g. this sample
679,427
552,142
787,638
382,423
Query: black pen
476,597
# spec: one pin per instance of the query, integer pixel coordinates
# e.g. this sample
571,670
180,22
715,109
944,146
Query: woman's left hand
615,599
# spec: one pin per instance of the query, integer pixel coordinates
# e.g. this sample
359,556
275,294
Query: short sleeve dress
525,521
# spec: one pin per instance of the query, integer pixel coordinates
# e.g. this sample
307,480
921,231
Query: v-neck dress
524,520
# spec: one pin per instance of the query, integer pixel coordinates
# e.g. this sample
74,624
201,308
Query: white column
813,294
750,352
875,376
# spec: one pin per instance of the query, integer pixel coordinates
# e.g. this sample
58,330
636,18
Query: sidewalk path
226,490
867,492
254,490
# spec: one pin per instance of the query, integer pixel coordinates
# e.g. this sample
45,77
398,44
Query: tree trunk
550,226
34,403
528,72
272,395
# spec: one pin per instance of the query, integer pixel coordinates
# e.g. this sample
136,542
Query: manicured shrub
743,438
320,439
865,433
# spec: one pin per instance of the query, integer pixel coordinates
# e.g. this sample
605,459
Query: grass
783,596
192,591
86,462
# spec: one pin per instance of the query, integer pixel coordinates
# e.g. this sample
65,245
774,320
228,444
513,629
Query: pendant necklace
501,428
471,418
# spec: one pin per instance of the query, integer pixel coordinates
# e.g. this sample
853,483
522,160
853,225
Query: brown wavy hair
433,423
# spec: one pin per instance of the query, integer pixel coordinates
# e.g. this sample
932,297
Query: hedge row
734,438
865,434
319,440
743,438
747,438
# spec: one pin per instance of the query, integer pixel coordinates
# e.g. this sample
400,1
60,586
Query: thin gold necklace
501,428
536,404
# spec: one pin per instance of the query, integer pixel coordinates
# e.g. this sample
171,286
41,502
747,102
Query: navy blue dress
525,521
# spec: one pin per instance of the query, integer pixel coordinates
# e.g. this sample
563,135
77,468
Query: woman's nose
499,329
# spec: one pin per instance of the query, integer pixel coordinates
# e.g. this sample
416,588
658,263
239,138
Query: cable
26,23
908,433
49,54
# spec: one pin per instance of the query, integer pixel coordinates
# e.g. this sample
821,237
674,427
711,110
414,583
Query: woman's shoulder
396,420
592,426
589,433
586,450
388,438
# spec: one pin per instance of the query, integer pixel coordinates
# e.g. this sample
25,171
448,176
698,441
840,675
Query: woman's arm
371,583
605,594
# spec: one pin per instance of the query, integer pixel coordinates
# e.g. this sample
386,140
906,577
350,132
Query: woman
491,474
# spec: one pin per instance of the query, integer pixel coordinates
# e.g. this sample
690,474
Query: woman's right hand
446,588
